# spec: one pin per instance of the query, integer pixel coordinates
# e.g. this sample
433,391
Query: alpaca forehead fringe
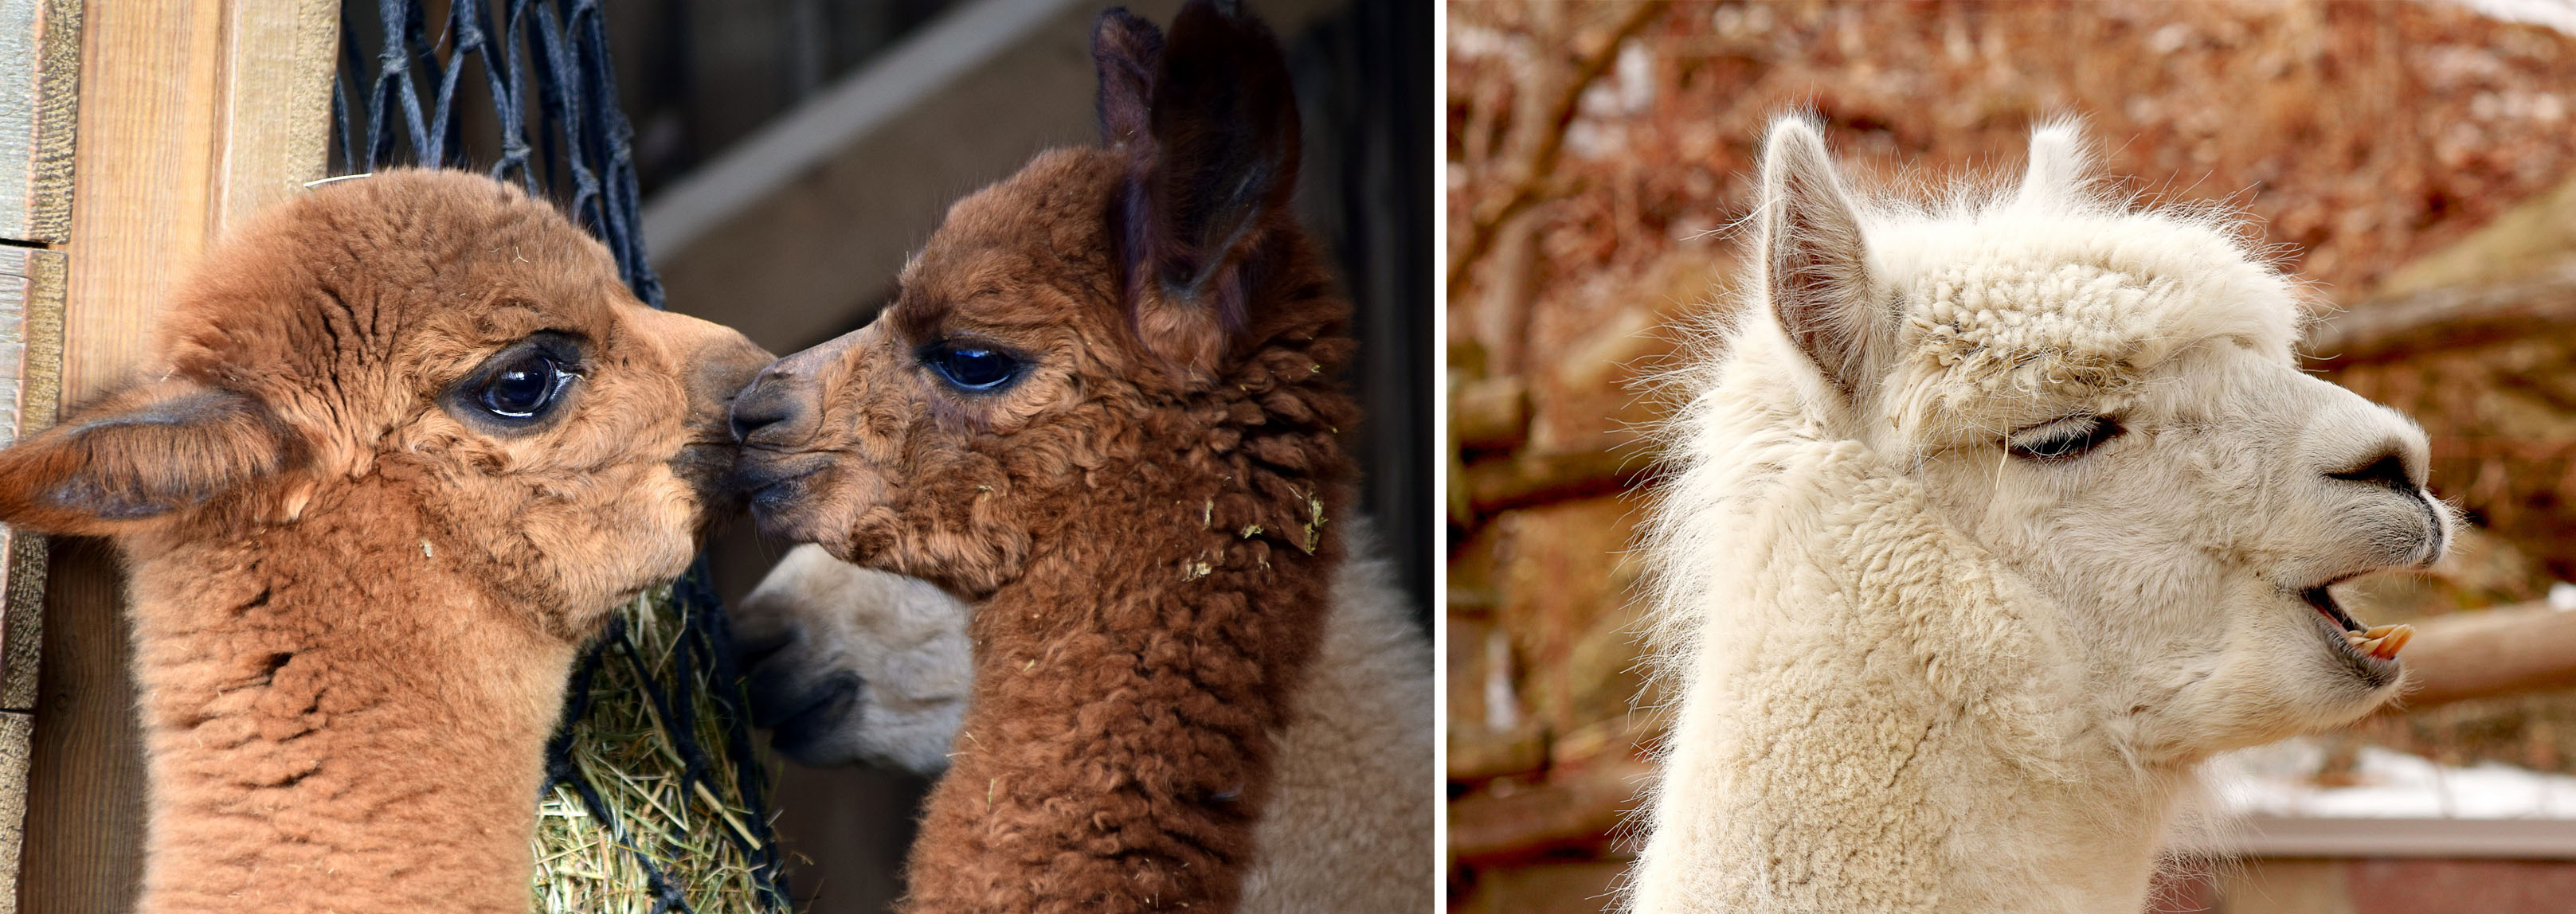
1906,221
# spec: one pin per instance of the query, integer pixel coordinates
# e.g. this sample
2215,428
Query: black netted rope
545,74
553,50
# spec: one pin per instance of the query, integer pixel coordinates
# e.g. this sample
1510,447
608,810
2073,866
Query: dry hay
675,837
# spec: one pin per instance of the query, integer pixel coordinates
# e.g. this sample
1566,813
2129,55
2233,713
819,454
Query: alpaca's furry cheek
649,542
585,548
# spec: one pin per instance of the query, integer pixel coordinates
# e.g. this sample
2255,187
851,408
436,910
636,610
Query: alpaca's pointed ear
1814,267
2058,161
1222,160
140,456
1128,52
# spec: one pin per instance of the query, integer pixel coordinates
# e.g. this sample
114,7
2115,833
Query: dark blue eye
524,388
973,367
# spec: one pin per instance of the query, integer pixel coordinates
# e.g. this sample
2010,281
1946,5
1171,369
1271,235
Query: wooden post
39,72
190,113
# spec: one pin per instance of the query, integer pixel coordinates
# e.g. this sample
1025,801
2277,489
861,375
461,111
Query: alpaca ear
1813,262
139,456
1128,51
2058,161
1221,158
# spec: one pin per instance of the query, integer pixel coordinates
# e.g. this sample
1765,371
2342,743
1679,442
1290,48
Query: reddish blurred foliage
2357,134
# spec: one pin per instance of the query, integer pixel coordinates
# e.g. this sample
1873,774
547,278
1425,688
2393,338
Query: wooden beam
2392,838
31,358
1489,414
2504,651
191,113
795,233
276,103
1575,808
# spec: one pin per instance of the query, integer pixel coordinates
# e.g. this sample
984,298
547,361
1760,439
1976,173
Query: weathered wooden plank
17,732
84,848
31,326
31,353
39,75
191,113
277,102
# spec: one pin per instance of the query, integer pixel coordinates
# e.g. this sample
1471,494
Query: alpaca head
462,350
1068,323
2109,403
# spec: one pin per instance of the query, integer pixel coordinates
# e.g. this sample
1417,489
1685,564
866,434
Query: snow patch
2278,780
2555,14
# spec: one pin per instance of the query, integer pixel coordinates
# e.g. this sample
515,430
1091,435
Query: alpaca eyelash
2063,439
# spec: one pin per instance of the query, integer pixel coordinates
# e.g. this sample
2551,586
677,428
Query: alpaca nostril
760,406
2388,470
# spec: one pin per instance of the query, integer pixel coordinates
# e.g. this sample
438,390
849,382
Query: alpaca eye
523,388
973,368
2063,439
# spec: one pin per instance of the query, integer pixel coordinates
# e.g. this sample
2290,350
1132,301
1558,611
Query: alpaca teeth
2393,642
2381,641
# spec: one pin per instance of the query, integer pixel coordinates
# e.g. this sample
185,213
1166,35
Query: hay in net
655,792
639,817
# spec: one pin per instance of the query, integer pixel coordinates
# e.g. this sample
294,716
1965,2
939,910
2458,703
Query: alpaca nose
765,408
2393,466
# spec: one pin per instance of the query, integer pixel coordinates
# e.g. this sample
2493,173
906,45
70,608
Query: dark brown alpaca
407,441
1103,406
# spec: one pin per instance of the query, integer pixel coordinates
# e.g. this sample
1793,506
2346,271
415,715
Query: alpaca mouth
770,487
2323,600
2378,642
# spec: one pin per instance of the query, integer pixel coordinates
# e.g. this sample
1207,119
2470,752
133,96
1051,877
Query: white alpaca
854,665
1989,522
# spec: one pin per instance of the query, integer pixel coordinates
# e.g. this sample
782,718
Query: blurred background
2414,162
793,153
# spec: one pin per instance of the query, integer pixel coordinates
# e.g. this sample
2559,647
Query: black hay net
522,90
495,77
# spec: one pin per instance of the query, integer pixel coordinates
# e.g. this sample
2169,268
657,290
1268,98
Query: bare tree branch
2450,317
1543,139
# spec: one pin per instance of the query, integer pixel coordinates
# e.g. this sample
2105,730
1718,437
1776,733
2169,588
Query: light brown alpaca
1103,411
407,440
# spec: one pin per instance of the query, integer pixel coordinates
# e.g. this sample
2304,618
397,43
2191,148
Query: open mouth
2378,642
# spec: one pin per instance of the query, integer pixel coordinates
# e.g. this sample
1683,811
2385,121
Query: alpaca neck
1875,714
1117,753
1878,808
335,721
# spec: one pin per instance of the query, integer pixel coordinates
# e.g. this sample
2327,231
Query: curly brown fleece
1144,510
355,600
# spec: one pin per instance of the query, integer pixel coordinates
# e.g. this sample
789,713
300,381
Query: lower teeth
2381,641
